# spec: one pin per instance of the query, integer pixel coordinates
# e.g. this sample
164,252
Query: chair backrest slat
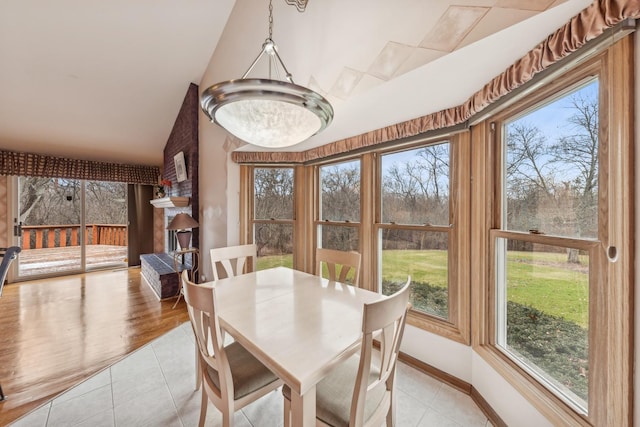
232,259
347,261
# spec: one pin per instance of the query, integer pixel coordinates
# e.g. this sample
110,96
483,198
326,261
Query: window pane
415,186
106,220
543,313
424,256
341,238
273,189
552,167
340,192
275,245
50,213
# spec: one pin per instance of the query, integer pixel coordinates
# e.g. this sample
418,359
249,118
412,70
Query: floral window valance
29,164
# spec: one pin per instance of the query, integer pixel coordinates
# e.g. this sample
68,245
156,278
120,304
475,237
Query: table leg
303,408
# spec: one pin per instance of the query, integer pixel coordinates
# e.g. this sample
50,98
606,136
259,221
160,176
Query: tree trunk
572,256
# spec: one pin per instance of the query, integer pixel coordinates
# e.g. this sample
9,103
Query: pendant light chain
272,59
270,20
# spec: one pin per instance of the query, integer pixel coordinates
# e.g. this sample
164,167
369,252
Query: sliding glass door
66,226
106,224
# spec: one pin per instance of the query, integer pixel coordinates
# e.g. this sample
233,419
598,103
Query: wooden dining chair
232,259
231,377
339,264
360,391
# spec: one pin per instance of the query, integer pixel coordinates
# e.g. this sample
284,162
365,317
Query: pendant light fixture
267,112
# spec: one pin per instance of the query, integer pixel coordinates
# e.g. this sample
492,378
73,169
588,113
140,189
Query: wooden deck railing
58,236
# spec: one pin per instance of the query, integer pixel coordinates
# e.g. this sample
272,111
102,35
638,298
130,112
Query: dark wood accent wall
184,137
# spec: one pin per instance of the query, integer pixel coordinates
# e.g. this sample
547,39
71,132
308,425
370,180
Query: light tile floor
154,386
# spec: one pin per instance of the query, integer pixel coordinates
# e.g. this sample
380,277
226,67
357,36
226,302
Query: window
414,232
550,190
558,254
273,215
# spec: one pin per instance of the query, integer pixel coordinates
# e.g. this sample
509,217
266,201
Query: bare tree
528,163
273,193
31,193
341,192
273,199
434,160
57,201
417,191
579,150
554,185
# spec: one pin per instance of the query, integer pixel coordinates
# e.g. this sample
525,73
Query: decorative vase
160,193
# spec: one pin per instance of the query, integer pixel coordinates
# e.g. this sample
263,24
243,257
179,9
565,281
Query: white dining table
299,325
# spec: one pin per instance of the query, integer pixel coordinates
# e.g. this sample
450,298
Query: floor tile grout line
113,399
164,377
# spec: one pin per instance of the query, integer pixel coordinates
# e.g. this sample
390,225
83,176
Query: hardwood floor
48,260
57,332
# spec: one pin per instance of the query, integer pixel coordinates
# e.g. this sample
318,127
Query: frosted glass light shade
265,112
268,123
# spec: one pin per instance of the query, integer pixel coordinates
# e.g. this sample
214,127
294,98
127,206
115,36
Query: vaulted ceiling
105,80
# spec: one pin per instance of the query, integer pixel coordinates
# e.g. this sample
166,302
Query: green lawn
275,261
555,289
541,280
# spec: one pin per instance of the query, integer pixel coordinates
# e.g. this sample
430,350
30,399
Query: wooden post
63,237
51,237
26,239
39,239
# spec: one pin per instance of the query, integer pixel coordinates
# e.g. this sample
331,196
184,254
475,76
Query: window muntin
424,256
340,191
551,170
415,186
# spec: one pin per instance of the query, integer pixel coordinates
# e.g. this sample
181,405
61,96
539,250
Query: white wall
446,355
462,362
219,192
514,409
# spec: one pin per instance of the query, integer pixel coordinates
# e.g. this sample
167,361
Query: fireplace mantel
171,202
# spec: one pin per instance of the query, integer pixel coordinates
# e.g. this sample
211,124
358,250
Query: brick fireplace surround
158,268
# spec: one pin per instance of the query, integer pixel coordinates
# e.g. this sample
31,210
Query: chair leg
287,412
2,396
203,407
391,415
198,368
